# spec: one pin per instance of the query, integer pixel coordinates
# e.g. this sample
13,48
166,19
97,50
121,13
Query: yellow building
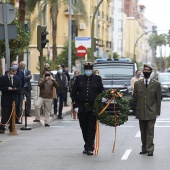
136,42
82,29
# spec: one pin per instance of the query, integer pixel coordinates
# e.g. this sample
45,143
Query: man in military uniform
84,92
147,96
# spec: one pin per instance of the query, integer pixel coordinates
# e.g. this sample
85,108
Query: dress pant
18,109
147,134
65,96
47,108
5,115
60,97
27,93
87,123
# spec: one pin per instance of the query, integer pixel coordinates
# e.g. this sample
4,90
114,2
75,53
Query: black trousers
88,126
25,92
60,98
5,115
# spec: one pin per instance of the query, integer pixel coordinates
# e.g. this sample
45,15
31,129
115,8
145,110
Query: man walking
84,92
147,96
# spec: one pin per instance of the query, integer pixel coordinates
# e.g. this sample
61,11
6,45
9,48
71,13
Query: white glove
76,109
9,88
104,100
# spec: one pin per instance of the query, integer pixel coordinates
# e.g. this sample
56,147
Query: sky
158,12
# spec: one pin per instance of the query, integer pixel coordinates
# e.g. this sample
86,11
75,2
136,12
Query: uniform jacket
46,88
85,90
148,100
7,95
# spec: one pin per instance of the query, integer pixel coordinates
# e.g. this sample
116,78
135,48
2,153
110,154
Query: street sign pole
7,52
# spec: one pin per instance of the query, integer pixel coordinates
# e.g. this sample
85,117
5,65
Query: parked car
164,79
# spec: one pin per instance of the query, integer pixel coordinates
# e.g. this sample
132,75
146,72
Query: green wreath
111,119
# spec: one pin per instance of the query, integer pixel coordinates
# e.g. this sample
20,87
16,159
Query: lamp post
134,53
92,30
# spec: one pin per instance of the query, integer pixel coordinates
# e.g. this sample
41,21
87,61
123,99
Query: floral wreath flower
119,116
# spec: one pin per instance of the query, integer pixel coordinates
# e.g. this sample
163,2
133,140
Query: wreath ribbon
98,127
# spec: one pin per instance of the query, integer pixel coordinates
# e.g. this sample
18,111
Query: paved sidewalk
31,124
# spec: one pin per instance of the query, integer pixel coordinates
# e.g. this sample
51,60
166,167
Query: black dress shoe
18,122
150,153
89,153
143,152
60,117
84,151
36,120
28,115
2,131
47,125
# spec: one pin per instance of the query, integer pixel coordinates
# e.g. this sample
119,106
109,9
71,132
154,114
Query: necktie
146,83
11,81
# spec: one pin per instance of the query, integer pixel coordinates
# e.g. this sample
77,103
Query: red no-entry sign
81,51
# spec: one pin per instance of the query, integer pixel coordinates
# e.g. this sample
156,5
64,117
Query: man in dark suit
10,85
62,80
84,92
20,75
26,90
147,98
68,78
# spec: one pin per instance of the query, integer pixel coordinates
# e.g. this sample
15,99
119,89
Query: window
74,29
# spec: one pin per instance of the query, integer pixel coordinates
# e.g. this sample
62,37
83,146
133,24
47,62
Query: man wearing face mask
147,96
10,85
46,85
84,92
62,80
20,75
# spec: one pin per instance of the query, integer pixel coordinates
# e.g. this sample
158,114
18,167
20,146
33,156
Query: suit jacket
28,77
148,100
7,95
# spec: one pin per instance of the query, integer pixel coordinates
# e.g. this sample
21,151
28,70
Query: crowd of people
15,85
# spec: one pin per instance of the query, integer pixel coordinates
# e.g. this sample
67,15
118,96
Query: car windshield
164,77
115,71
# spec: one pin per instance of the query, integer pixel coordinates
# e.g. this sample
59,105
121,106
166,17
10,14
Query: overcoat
147,100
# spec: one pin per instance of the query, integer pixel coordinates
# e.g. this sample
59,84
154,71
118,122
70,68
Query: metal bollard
14,132
26,127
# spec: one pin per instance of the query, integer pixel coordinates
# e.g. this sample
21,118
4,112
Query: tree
16,45
54,6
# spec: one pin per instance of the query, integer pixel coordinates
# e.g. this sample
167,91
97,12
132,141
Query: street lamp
134,57
92,31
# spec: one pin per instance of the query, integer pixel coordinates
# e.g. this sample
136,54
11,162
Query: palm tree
54,6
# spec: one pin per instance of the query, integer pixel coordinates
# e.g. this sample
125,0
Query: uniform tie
146,83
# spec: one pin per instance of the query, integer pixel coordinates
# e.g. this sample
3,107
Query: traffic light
41,37
95,44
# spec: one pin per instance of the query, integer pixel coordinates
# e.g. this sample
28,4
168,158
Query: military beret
148,65
88,65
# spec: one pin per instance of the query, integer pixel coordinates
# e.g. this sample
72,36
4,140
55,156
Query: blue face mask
60,71
88,73
15,66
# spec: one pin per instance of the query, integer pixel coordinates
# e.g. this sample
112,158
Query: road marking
126,126
162,126
57,126
126,154
138,135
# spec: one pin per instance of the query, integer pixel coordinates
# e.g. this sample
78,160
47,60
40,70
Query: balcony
66,11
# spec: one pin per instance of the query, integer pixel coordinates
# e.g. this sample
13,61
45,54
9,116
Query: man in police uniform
147,96
84,92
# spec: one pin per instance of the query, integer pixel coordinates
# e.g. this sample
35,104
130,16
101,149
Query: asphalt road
60,147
